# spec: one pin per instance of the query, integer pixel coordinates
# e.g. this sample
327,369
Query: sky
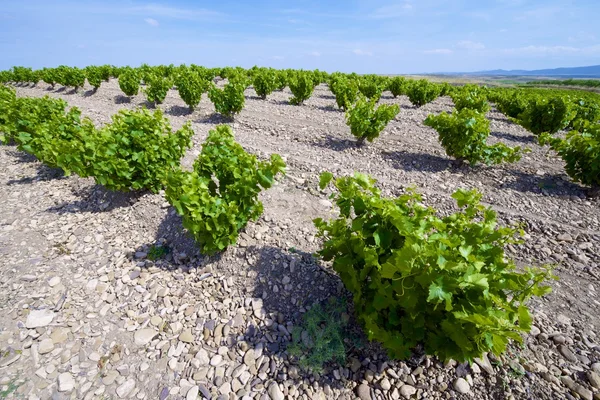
377,36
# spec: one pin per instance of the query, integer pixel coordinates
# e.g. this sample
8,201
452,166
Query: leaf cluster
230,100
220,196
420,279
366,121
464,133
547,114
472,97
157,87
345,91
372,86
191,85
265,82
580,150
129,81
422,92
302,85
398,86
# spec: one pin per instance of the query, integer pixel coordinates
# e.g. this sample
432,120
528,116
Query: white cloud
392,11
360,52
151,21
315,54
438,51
172,12
553,50
470,45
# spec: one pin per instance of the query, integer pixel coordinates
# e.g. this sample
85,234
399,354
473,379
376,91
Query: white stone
39,318
125,389
143,336
66,383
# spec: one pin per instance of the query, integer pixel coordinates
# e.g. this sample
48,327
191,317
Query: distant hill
574,72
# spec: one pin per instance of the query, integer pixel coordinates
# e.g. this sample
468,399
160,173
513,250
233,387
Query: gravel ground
84,314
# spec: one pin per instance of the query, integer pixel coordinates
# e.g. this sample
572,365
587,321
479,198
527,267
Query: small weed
156,252
10,388
320,338
61,248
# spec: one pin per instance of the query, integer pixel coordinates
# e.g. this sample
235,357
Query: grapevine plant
220,196
229,100
129,82
420,279
136,151
302,86
191,85
580,150
367,121
544,114
464,133
422,92
472,97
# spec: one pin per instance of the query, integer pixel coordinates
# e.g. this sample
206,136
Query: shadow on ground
120,99
96,199
178,111
337,144
410,161
515,138
214,118
43,172
555,185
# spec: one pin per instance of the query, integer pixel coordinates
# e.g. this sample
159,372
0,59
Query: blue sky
380,36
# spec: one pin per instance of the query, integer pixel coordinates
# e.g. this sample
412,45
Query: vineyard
190,232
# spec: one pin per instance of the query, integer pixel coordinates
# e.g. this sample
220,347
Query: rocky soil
85,314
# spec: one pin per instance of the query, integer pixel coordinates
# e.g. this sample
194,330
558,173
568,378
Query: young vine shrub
60,141
264,82
420,279
94,76
105,72
422,92
157,88
345,91
580,150
367,121
191,85
545,114
472,97
282,79
7,100
302,85
585,110
220,196
510,103
75,78
397,85
464,133
137,150
129,81
371,86
25,115
230,100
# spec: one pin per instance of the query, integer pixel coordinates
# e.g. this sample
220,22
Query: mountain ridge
592,71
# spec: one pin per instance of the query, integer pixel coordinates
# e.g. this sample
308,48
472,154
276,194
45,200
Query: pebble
274,392
363,391
144,336
192,394
407,391
39,318
186,337
126,388
462,386
46,346
66,383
